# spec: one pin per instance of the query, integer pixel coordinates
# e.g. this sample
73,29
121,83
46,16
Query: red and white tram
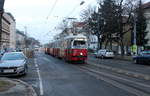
70,48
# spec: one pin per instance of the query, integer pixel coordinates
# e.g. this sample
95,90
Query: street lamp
134,47
82,3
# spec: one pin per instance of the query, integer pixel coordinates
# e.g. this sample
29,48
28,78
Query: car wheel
25,70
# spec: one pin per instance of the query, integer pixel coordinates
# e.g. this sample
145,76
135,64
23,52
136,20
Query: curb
124,58
30,90
29,87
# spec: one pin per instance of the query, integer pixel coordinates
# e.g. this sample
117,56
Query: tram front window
79,44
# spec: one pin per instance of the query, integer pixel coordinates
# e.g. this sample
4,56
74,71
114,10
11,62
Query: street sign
1,4
134,48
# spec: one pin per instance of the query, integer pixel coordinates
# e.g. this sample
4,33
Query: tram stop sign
134,48
1,5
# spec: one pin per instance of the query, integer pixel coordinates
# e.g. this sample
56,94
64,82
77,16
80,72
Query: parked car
142,57
104,53
13,64
2,52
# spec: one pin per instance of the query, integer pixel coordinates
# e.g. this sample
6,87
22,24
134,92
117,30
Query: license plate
8,71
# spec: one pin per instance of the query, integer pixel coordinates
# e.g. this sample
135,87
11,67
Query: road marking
46,59
127,73
135,75
40,79
146,78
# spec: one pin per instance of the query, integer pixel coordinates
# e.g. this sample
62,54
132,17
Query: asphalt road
54,77
59,78
125,65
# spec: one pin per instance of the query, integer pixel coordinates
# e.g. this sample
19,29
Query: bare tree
86,14
63,25
125,17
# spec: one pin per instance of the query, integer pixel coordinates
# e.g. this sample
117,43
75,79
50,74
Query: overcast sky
33,14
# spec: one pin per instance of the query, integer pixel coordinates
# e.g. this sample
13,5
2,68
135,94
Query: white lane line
40,79
46,59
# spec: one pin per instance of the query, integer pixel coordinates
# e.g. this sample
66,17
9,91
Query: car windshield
109,51
13,56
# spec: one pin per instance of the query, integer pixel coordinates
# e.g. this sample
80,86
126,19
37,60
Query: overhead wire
72,11
53,7
75,8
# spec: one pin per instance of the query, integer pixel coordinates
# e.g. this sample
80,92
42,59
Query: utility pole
134,47
25,38
1,16
134,31
98,29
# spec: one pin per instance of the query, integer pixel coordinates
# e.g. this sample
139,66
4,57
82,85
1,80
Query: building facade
20,40
92,42
147,15
5,34
8,32
12,43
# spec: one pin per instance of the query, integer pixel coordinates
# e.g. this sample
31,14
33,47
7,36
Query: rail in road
125,67
43,69
52,71
129,84
122,71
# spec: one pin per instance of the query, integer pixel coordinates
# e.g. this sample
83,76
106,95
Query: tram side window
69,43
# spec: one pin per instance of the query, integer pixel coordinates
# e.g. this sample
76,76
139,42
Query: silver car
104,53
13,63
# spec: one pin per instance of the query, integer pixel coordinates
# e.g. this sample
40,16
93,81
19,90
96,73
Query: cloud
33,13
25,3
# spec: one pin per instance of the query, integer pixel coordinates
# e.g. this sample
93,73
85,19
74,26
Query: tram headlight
81,53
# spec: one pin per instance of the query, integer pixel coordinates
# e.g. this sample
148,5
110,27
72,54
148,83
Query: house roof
20,32
146,5
11,16
79,24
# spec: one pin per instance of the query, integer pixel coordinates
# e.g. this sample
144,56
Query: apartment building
147,15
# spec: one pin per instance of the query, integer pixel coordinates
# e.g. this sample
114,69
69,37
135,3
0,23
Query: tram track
131,86
121,71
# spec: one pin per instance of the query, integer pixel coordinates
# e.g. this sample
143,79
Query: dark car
143,57
13,64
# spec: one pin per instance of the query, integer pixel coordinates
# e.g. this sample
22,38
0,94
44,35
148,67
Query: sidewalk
15,87
127,58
